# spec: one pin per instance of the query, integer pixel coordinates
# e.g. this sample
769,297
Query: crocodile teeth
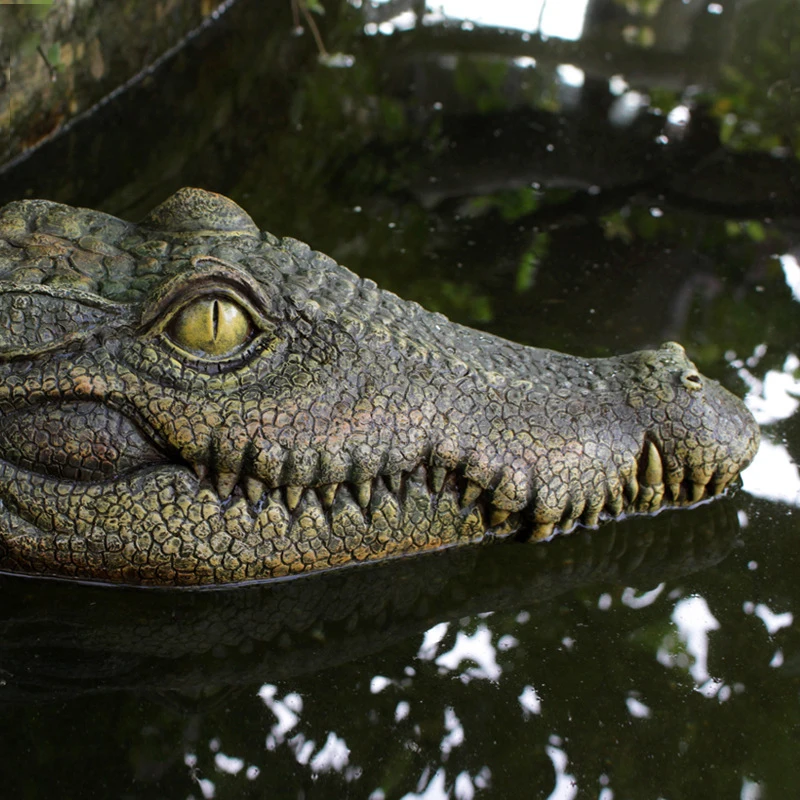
327,494
575,509
225,483
363,493
568,524
542,530
293,496
419,475
591,513
254,489
719,485
498,517
395,482
698,490
674,490
591,519
654,471
471,493
438,474
201,470
632,489
615,503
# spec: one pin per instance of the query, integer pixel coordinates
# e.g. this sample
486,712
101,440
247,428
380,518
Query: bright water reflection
775,397
482,649
560,18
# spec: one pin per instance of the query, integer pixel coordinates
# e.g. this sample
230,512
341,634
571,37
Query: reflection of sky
559,18
791,269
566,786
562,19
475,649
774,474
694,622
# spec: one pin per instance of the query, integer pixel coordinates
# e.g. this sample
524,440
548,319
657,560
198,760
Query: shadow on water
594,190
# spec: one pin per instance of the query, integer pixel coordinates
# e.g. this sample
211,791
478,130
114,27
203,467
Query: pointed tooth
293,496
471,493
253,489
394,482
654,471
632,489
363,493
568,524
674,490
201,470
542,530
591,513
719,485
419,475
614,503
591,517
698,490
225,483
438,474
498,517
327,494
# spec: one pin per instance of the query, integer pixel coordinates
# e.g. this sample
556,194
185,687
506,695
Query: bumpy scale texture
193,401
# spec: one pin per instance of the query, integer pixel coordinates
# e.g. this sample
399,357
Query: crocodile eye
211,326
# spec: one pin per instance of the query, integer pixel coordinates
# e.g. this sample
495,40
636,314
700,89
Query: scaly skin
192,401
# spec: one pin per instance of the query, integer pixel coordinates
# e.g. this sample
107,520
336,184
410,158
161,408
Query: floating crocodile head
192,401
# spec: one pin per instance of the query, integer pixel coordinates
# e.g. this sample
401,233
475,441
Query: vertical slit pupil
215,319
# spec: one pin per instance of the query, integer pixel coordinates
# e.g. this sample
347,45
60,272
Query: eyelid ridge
210,276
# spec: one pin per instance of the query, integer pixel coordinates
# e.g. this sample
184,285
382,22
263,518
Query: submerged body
192,401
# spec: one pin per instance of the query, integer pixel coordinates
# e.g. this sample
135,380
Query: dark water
648,191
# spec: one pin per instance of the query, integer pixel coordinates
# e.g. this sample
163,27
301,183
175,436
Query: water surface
623,181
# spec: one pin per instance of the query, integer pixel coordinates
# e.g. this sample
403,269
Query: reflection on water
481,649
791,269
561,18
774,473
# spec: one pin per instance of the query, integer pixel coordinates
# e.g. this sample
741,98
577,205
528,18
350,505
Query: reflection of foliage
481,80
456,300
643,222
751,228
615,225
642,35
530,261
756,96
645,8
307,8
511,203
662,100
740,253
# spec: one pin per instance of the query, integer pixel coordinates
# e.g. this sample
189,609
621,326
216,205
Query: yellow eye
212,326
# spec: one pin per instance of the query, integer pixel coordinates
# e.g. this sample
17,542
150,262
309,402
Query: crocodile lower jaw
183,533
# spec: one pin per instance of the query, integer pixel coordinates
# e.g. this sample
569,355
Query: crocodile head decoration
192,401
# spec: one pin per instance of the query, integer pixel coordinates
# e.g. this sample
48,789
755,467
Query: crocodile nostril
692,380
